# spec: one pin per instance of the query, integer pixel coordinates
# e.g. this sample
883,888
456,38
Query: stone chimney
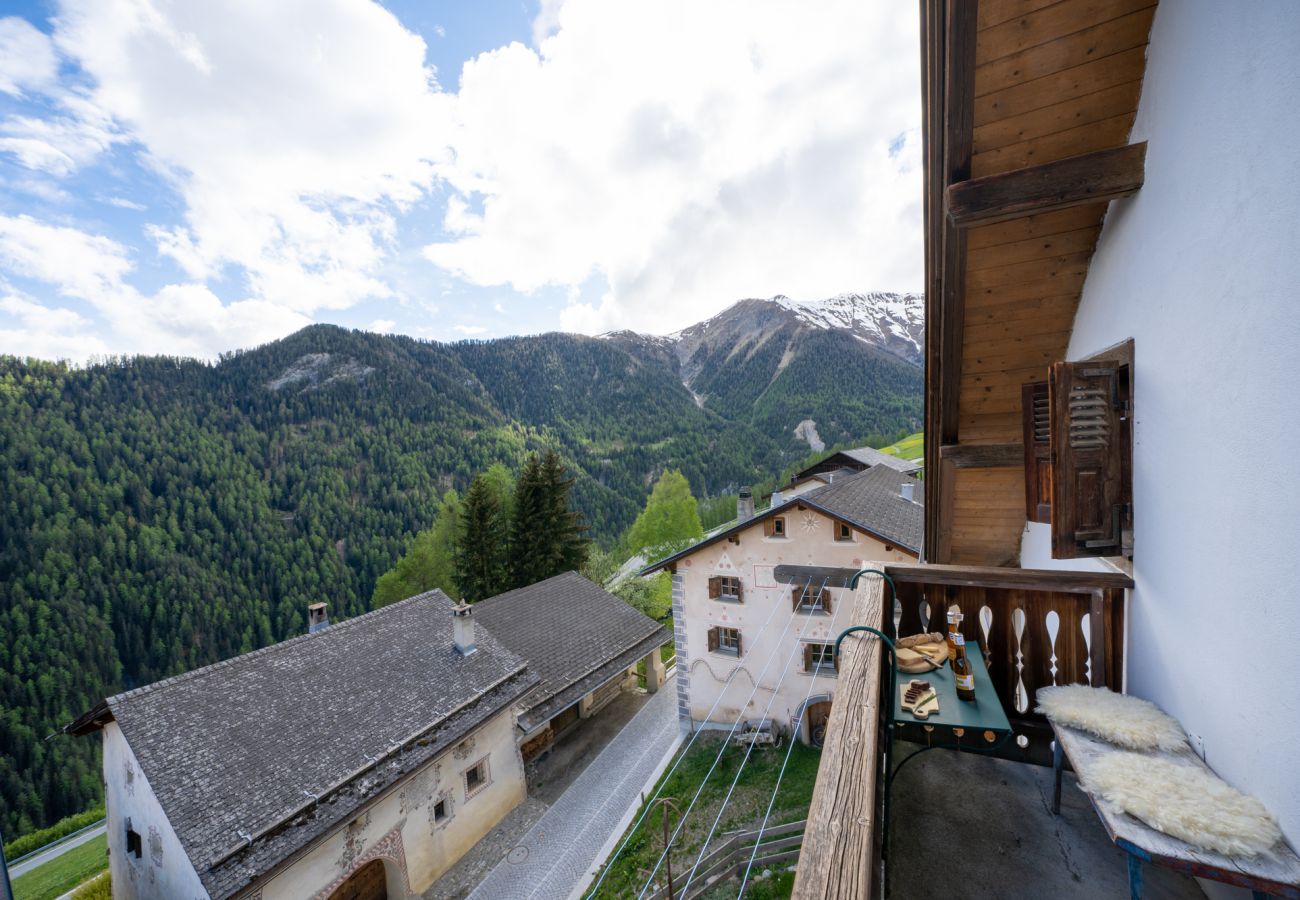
745,505
907,491
318,618
462,629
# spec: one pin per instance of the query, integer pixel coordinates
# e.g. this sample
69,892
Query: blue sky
190,177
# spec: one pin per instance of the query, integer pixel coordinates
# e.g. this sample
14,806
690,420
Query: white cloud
381,326
469,330
180,319
27,58
293,147
691,154
125,203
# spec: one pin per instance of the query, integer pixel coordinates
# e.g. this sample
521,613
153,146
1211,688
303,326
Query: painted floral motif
155,846
130,778
417,792
811,522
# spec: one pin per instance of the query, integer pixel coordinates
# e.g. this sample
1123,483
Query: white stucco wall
1202,269
429,848
771,633
163,870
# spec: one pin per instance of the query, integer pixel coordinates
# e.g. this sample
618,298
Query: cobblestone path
561,848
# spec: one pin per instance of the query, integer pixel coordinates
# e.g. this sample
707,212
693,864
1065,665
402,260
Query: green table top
985,713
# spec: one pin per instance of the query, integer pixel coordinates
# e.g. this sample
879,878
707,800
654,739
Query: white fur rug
1186,802
1121,719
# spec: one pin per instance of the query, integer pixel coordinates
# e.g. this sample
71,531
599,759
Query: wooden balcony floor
976,827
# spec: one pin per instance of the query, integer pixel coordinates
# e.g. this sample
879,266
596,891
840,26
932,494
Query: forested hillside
161,514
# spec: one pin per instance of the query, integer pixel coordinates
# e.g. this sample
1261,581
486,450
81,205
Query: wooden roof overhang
1028,106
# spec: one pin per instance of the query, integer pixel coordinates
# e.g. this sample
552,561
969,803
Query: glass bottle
963,674
953,628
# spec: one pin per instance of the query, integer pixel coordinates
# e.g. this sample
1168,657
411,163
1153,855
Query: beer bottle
963,674
953,619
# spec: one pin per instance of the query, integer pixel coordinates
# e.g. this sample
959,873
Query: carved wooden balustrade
1036,628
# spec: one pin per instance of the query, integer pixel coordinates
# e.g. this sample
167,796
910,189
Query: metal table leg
1058,762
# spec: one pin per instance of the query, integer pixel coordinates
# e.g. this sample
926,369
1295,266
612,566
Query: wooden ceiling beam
1097,177
984,456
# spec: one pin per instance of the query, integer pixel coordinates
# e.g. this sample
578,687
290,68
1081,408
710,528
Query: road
44,856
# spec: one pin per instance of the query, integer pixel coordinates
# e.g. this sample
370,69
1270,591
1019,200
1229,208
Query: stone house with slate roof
731,616
358,761
839,464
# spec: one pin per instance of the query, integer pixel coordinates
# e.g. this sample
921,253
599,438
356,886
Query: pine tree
526,525
547,537
481,558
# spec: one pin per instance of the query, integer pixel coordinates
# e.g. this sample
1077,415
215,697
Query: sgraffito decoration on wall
389,847
354,839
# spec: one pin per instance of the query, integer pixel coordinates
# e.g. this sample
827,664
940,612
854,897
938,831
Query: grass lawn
910,447
745,811
58,876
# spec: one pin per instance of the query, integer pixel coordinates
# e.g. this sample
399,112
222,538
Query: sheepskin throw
1125,721
1183,801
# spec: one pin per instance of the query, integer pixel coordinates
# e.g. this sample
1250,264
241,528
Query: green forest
161,514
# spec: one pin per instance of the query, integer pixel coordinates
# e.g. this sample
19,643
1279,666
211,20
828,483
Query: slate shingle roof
574,634
871,457
235,748
870,500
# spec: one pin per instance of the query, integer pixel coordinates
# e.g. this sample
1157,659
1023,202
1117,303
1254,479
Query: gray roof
870,500
870,456
574,634
237,748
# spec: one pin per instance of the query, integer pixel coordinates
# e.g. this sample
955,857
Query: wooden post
666,802
838,856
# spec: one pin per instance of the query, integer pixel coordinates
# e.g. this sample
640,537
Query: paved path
56,851
556,855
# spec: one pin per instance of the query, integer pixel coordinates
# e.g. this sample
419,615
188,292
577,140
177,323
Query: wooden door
367,883
564,719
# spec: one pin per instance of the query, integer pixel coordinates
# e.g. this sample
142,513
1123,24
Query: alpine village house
1111,259
360,760
752,649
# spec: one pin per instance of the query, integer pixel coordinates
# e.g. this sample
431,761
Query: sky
189,177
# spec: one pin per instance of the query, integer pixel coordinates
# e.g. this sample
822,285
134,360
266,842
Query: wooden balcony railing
1035,627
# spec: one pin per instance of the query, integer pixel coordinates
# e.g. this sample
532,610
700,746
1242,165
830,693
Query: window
726,588
843,531
441,812
477,777
810,598
774,527
134,845
819,659
1078,473
724,640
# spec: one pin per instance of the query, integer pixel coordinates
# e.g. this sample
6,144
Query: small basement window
476,777
134,845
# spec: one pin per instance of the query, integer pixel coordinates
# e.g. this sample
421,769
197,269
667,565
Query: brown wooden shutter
1088,503
713,639
1037,415
740,591
807,657
769,526
796,594
715,587
826,601
740,650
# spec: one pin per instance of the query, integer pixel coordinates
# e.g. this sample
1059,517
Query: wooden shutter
826,601
713,639
807,657
1089,506
740,591
796,595
769,526
715,587
740,650
1037,415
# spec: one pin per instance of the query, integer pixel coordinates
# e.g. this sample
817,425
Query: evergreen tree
481,552
429,563
547,537
670,520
